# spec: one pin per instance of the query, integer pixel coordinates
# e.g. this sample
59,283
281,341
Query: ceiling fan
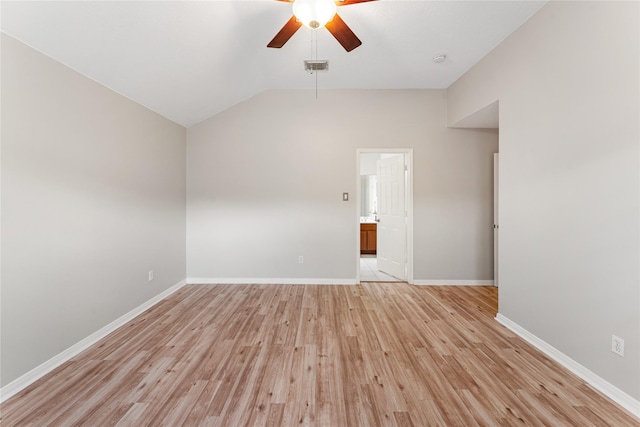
316,14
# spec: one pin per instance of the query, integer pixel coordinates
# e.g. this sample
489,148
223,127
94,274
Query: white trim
266,281
603,386
453,282
38,372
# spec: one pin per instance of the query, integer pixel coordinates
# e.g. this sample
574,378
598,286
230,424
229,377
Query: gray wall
567,82
266,177
93,197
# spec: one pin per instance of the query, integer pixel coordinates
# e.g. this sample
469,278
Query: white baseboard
266,281
612,392
453,282
38,372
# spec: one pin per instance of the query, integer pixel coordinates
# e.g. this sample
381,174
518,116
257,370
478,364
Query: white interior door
392,211
496,229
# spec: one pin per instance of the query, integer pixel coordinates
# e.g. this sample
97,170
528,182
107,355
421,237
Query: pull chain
314,55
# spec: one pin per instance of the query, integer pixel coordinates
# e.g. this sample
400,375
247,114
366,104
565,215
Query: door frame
408,153
496,219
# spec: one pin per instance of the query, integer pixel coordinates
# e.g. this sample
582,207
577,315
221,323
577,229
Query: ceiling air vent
312,65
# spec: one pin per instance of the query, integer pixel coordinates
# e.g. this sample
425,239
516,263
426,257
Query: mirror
368,196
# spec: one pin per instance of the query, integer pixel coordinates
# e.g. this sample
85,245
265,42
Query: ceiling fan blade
343,33
285,33
348,2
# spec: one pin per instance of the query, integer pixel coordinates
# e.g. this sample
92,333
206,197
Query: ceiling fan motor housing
314,13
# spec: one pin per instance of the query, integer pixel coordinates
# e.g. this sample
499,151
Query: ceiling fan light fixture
314,13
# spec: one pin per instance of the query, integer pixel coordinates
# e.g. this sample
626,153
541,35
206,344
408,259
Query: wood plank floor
376,354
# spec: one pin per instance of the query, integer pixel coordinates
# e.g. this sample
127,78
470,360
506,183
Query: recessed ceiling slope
190,60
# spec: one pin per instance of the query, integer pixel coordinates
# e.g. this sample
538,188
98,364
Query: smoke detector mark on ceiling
439,58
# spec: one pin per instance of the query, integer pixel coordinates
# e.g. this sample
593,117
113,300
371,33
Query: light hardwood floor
375,354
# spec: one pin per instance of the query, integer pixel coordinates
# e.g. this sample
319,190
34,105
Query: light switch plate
345,197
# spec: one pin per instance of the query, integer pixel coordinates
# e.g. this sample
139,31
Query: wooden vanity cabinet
368,238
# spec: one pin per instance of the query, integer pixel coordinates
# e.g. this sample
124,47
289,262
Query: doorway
385,215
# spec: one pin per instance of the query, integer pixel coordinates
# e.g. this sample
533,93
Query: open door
392,212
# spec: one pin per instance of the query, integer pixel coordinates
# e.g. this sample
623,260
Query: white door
392,211
495,218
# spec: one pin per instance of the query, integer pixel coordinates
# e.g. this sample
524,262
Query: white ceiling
188,60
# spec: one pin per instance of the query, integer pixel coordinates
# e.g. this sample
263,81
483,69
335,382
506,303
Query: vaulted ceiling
188,60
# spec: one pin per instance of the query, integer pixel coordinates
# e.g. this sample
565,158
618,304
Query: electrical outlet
151,275
300,259
617,345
